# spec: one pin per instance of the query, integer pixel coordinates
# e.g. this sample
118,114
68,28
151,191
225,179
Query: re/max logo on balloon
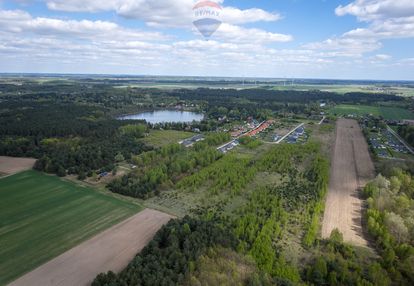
207,17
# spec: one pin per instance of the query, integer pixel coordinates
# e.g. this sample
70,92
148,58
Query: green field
395,113
159,138
42,216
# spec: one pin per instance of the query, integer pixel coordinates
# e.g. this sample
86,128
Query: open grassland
159,138
394,113
42,216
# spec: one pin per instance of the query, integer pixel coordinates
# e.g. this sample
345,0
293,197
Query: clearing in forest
160,138
351,169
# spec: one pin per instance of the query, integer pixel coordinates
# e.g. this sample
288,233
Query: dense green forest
390,218
66,137
171,255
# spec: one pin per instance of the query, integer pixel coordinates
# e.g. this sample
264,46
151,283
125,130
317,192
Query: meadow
390,113
159,138
42,216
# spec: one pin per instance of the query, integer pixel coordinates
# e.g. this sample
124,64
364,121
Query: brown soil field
111,250
351,169
11,165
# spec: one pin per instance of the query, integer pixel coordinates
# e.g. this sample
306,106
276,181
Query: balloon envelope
207,17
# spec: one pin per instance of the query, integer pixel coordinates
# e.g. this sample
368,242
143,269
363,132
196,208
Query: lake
162,116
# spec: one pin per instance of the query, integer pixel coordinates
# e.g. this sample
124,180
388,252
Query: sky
330,39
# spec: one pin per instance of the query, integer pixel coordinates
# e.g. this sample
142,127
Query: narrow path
111,250
290,132
320,122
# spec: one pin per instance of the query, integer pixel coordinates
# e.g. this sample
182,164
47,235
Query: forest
255,235
262,222
67,138
390,219
161,168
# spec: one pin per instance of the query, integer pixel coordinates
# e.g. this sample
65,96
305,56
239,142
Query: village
269,131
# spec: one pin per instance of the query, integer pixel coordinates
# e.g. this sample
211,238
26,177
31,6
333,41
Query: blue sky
340,39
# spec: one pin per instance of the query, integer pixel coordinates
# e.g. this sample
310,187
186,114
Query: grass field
159,138
42,216
386,112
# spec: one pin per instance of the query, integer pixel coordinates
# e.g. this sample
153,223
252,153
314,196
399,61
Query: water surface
163,116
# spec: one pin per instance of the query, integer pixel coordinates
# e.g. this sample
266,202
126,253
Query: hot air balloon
207,16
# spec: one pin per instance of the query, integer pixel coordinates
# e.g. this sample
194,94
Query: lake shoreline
157,116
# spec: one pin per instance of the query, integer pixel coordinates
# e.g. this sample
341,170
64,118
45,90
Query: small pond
162,116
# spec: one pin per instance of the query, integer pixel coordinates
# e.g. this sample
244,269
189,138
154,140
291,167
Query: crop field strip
110,250
11,165
42,216
351,169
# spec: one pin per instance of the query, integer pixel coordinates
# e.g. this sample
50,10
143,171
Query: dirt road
351,169
11,165
111,250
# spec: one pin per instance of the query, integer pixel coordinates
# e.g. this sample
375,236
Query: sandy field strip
11,165
112,250
351,169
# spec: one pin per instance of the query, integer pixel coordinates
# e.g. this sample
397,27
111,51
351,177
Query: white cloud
239,34
369,10
382,57
236,16
386,19
345,46
160,13
31,43
82,5
18,21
